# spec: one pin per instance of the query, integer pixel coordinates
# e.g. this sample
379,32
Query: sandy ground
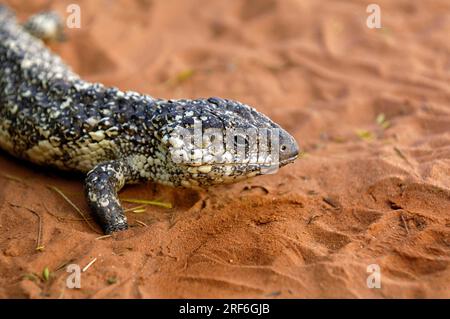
366,191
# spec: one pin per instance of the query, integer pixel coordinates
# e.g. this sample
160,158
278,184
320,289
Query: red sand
309,231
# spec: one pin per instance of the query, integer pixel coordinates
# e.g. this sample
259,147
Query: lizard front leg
101,185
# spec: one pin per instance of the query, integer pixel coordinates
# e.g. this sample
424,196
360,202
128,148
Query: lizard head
213,141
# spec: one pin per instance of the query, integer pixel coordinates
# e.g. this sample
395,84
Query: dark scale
49,116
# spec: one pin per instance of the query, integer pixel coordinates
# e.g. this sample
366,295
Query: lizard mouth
288,160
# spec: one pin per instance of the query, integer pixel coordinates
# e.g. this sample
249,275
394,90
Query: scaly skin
49,116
